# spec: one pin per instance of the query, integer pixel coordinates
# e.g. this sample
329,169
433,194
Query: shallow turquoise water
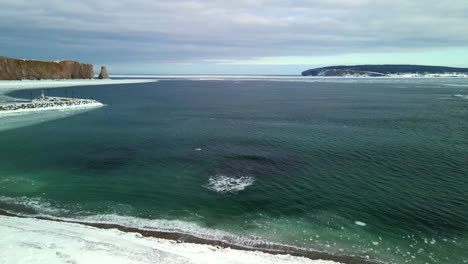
367,168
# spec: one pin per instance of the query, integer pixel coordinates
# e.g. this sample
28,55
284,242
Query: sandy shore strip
272,254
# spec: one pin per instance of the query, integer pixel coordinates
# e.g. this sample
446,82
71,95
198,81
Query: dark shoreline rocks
19,69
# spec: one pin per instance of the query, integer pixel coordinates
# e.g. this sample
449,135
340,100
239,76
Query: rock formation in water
19,69
103,74
384,70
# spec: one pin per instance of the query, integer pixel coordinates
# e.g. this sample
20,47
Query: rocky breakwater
49,103
19,69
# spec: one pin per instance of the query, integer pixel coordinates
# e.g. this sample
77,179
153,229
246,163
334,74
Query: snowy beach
28,240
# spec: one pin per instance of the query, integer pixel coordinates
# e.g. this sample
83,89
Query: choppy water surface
362,167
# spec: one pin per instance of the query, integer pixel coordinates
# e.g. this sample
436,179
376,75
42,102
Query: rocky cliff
18,69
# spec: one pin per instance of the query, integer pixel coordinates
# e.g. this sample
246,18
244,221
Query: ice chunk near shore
28,240
460,96
359,223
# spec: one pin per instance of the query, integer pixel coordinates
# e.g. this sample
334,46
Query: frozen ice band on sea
9,86
25,117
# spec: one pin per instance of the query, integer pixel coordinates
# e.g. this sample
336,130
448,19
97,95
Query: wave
39,207
34,206
178,230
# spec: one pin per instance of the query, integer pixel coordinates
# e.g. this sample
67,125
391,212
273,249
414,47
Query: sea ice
11,120
9,86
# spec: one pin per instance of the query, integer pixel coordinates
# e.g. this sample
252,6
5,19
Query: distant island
387,70
22,69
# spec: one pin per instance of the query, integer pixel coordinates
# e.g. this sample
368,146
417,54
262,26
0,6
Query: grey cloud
195,30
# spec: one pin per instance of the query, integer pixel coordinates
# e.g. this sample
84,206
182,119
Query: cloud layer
194,31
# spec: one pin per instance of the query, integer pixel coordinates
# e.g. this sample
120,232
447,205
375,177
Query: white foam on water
225,184
42,207
39,205
27,240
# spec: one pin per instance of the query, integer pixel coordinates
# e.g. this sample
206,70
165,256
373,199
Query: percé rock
19,69
381,70
103,74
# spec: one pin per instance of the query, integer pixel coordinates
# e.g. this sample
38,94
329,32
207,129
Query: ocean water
375,168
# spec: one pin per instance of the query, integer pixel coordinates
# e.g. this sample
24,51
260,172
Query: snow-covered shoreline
29,240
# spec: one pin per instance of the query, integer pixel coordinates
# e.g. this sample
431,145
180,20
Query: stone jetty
49,103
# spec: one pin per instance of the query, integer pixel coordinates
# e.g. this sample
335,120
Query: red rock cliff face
18,69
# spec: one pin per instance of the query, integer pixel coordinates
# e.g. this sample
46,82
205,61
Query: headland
22,69
387,70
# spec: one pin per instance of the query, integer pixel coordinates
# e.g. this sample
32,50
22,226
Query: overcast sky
240,36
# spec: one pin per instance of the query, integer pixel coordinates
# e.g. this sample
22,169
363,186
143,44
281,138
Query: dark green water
366,168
